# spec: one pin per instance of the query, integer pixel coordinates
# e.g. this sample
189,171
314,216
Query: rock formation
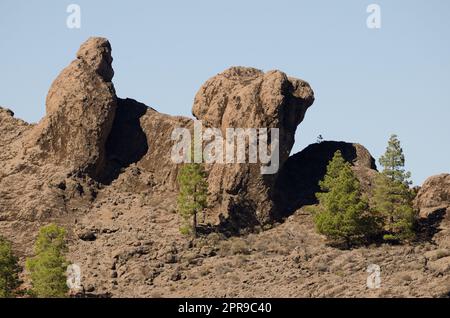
101,166
433,204
248,98
80,106
298,181
11,129
89,132
433,195
156,128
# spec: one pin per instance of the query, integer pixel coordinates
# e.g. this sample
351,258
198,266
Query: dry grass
224,268
239,246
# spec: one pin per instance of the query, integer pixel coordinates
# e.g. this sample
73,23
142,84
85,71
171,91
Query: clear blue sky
368,83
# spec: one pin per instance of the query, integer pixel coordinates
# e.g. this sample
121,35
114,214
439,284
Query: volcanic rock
100,166
80,105
249,98
433,195
90,135
433,204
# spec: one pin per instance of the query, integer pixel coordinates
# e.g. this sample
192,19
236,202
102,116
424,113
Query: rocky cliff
89,132
433,204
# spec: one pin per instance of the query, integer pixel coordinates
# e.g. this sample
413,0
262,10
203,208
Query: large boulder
298,181
80,107
433,203
433,195
243,97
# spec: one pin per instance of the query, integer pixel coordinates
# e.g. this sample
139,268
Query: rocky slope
100,165
131,247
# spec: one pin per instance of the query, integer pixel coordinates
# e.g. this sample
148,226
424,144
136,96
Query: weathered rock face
90,133
80,105
11,130
237,98
249,98
142,136
433,204
298,181
119,210
433,195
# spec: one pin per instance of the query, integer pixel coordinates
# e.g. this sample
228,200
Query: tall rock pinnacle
80,106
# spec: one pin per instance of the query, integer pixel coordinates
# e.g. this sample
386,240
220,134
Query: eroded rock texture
249,98
89,132
237,98
80,105
433,204
101,167
434,195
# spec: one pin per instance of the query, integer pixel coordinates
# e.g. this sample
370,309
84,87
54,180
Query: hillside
101,166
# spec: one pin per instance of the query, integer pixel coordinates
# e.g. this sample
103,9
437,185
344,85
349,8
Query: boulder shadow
127,142
427,228
298,179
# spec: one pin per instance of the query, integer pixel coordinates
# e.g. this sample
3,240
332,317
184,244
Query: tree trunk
194,225
347,242
194,221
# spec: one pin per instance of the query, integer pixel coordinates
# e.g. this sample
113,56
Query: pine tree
342,210
393,162
192,197
48,267
9,270
393,198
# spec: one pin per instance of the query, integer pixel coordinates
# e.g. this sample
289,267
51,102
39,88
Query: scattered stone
440,266
90,288
87,235
176,276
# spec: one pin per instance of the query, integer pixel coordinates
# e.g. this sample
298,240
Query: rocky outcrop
249,98
237,98
11,131
433,195
80,107
48,170
142,136
101,167
89,132
298,181
433,204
